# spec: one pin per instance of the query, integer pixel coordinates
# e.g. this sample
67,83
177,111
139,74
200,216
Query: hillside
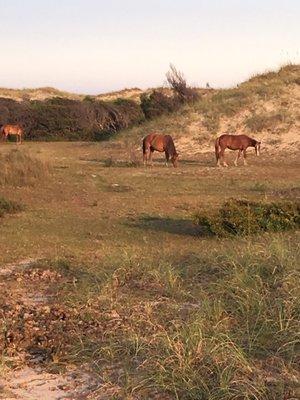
42,93
266,106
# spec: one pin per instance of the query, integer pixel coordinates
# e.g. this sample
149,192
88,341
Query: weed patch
242,217
269,122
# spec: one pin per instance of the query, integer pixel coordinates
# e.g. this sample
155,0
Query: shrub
157,103
242,217
179,86
260,122
65,119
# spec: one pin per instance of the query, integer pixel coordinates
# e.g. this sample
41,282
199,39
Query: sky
90,46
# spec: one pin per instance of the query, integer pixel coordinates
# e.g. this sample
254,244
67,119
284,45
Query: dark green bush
242,217
157,103
65,119
9,207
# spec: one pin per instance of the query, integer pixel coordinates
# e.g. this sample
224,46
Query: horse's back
12,129
158,141
236,141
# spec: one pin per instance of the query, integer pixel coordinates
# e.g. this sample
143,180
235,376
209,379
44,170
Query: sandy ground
33,382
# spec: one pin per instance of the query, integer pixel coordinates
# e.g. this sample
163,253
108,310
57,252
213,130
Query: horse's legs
222,157
150,157
218,155
167,158
145,155
244,155
237,158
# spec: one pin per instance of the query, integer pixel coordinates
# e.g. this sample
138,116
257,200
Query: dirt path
25,301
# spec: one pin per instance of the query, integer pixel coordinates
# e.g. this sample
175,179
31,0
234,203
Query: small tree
177,83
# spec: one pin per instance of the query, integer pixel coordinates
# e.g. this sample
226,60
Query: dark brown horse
161,143
234,142
16,130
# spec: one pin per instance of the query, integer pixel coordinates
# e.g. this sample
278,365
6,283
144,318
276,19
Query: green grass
207,325
156,309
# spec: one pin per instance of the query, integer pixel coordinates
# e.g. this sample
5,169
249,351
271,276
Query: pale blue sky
94,46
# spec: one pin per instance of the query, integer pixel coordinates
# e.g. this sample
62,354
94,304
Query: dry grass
37,94
9,207
17,168
273,122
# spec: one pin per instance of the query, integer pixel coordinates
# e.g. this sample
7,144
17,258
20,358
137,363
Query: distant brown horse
234,142
16,130
161,143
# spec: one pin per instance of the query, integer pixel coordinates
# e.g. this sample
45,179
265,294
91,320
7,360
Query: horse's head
174,159
257,148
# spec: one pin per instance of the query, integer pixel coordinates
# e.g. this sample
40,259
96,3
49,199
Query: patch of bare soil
33,329
33,384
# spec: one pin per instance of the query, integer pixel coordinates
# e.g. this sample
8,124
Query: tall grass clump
243,335
18,168
267,121
223,103
243,217
221,323
9,207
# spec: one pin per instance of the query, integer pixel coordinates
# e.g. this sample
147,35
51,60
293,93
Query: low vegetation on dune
41,93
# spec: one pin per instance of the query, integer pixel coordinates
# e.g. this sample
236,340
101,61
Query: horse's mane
170,145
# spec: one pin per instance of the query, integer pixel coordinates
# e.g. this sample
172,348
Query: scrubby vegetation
159,102
268,121
242,217
64,119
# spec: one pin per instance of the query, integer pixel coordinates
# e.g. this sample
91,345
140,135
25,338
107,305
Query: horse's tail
217,148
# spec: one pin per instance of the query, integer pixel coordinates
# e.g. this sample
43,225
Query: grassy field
168,313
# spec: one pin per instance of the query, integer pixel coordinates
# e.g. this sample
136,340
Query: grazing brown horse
161,143
234,142
12,130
